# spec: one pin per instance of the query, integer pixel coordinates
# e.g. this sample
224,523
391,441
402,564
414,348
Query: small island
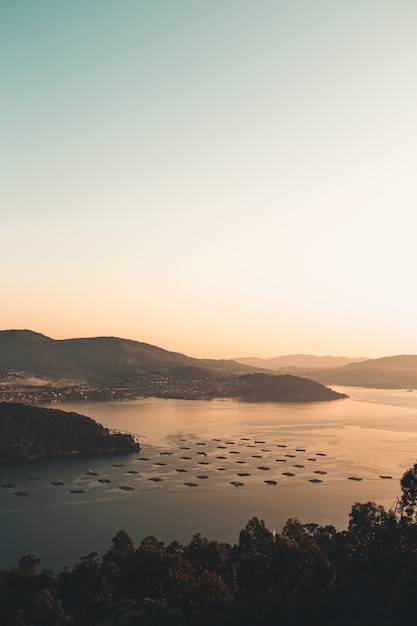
30,432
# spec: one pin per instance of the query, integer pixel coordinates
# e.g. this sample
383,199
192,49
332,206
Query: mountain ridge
391,372
302,361
102,368
91,357
109,360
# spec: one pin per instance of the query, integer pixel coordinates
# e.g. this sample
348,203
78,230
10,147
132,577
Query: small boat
202,477
126,488
92,472
385,476
263,468
297,465
236,483
315,480
288,474
155,479
191,484
56,483
181,470
243,474
76,490
122,464
34,477
141,458
270,482
132,472
354,478
319,472
105,481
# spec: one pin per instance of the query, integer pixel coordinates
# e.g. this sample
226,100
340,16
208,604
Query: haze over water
371,434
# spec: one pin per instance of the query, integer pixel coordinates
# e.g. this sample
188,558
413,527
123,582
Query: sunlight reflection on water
371,434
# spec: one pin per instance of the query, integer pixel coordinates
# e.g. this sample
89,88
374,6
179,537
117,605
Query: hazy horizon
241,356
221,179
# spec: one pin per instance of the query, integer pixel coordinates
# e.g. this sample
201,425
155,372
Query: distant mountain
96,359
392,372
298,361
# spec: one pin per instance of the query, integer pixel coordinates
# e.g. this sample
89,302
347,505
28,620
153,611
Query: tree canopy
306,574
30,431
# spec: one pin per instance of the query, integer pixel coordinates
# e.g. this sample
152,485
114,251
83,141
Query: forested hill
96,359
34,368
284,388
28,432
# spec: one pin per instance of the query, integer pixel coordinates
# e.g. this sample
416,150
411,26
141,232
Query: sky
221,178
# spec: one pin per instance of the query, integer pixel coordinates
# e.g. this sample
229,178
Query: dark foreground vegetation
304,575
28,432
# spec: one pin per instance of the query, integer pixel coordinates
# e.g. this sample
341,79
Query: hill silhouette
392,372
28,432
282,388
96,359
98,368
290,362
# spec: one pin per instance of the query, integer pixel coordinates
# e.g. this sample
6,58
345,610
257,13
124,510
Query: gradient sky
221,178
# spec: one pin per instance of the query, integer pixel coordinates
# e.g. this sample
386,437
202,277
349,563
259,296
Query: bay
214,444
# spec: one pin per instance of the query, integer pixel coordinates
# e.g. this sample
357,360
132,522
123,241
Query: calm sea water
372,433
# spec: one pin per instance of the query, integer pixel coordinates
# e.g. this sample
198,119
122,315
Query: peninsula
30,432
